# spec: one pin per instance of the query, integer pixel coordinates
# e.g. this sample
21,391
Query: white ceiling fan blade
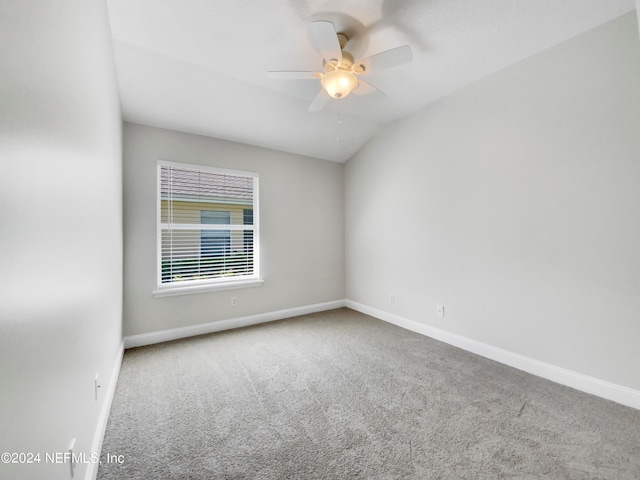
294,75
387,59
320,101
365,88
326,40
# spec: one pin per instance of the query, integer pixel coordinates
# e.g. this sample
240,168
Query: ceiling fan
340,74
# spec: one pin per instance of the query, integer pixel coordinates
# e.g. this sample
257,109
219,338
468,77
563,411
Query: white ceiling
200,66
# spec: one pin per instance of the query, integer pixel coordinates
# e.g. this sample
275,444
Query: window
207,229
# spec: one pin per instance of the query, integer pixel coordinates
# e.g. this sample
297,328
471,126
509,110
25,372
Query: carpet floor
341,395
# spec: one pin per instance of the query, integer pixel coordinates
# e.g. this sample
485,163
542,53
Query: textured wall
514,203
61,217
301,229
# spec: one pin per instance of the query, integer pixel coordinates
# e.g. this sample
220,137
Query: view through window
207,225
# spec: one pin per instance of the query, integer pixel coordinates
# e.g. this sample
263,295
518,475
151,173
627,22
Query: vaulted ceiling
200,66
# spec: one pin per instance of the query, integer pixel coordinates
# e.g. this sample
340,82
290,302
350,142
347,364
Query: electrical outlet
234,301
392,298
96,385
440,310
72,455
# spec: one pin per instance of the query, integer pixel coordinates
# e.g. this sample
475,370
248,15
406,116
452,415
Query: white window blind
207,226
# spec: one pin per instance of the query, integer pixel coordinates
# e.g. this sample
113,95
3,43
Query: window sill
211,287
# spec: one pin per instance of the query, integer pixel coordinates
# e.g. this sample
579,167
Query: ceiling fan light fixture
340,75
339,83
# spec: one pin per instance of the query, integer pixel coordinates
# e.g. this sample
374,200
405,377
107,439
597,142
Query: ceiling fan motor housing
334,64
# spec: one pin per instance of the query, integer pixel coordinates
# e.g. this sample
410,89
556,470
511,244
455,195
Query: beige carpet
340,395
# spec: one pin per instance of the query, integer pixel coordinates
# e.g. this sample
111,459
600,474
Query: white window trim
217,284
173,290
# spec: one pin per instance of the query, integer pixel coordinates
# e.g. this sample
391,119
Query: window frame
212,284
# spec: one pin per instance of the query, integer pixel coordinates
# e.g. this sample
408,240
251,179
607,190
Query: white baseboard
610,391
101,427
218,326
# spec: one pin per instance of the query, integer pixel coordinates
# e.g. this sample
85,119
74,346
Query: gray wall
61,228
302,230
515,203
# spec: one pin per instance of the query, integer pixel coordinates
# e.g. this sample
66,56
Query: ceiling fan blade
387,59
365,88
293,75
320,101
326,40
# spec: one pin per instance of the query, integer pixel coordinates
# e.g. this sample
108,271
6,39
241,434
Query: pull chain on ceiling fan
340,74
